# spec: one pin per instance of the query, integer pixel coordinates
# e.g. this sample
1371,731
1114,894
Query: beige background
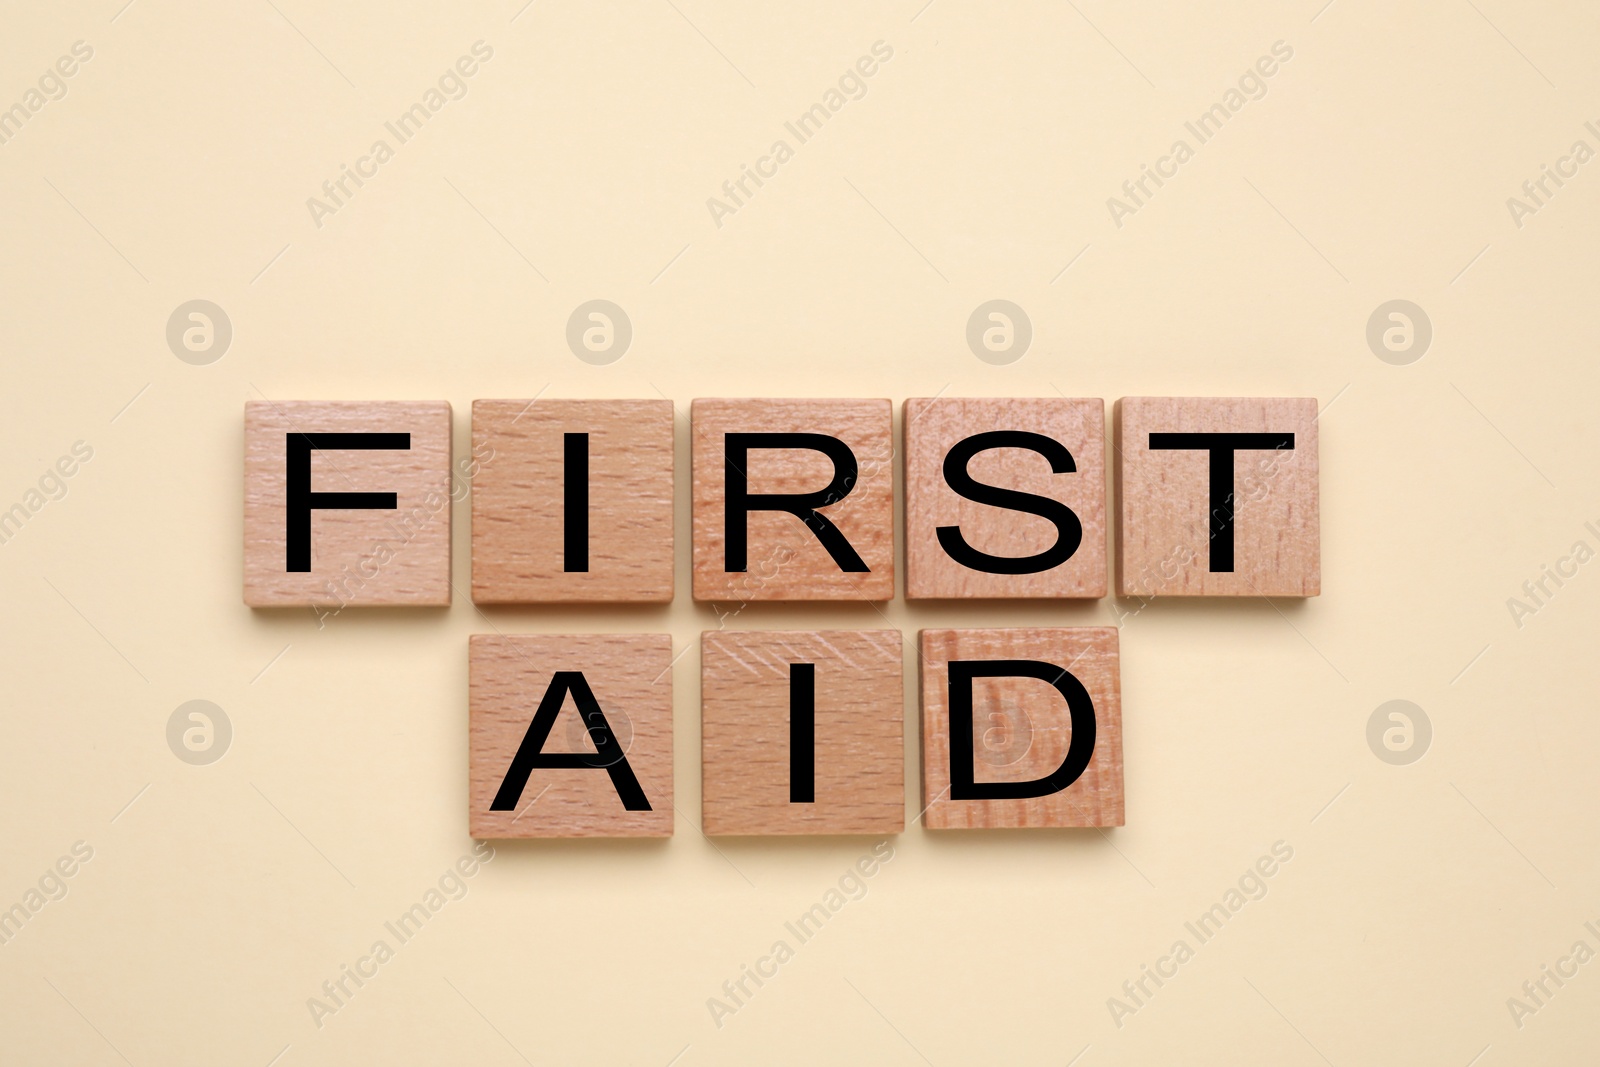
977,166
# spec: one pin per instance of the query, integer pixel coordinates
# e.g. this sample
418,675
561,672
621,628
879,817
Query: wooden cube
570,735
1217,497
793,500
802,732
572,501
346,503
1006,728
1005,498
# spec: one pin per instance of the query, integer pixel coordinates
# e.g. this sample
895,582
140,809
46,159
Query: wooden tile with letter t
1021,728
1217,497
802,732
570,735
1005,498
572,501
346,504
793,500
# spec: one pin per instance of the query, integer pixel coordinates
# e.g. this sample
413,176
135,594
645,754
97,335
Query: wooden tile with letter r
793,500
346,504
1021,727
570,735
1217,497
802,732
572,501
1005,497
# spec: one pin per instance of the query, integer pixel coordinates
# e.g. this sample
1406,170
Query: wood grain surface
933,427
785,559
631,678
1164,507
858,757
358,557
1022,729
518,511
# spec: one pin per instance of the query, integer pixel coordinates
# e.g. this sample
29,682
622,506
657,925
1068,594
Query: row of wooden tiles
801,732
572,500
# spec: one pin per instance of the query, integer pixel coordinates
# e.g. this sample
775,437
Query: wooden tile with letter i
802,732
1217,496
346,504
571,501
1005,498
1021,728
793,500
570,735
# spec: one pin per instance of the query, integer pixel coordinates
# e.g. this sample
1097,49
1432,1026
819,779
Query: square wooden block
817,479
346,503
969,530
1217,497
570,735
572,501
1001,712
802,732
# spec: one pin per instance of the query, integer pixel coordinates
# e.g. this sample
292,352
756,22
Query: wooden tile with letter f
346,504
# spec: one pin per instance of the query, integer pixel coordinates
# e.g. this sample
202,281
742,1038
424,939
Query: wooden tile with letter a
572,501
1217,497
1005,498
793,500
346,503
1021,728
570,735
802,732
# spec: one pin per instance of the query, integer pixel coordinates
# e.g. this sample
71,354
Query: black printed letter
575,502
802,733
1079,706
740,502
608,753
1069,531
300,501
1221,447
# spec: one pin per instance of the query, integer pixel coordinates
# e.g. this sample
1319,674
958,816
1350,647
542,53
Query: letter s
1069,531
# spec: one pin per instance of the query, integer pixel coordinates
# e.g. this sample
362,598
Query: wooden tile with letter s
1218,496
572,501
793,500
802,732
346,504
1021,728
1005,497
570,735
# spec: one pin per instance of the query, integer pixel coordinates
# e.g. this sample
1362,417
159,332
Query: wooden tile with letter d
1021,727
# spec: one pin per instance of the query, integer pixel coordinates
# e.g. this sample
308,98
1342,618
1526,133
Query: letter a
608,753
